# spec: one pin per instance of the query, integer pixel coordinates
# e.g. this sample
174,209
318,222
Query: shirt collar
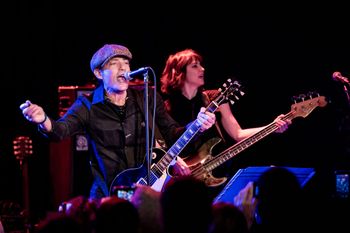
98,95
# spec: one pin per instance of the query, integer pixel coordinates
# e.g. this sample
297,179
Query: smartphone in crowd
124,192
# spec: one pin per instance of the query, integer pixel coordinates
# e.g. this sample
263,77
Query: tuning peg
229,80
295,99
29,152
232,102
236,97
312,94
302,97
237,83
299,98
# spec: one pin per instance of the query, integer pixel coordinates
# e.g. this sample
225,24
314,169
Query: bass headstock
305,104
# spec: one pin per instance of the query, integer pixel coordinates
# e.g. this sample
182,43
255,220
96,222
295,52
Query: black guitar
161,159
203,163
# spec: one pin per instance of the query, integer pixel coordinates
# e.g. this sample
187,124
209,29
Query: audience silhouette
186,206
228,218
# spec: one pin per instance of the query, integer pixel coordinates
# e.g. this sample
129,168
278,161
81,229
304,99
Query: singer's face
113,74
194,74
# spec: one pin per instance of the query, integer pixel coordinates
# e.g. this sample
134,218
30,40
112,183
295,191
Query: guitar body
195,162
132,176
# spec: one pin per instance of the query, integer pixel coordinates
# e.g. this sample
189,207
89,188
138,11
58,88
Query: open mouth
121,78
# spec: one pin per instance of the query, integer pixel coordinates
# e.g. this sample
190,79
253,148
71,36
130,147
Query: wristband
43,120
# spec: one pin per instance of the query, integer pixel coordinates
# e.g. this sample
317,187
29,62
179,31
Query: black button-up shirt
117,143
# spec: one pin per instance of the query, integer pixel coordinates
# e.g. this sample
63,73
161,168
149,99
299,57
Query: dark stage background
276,52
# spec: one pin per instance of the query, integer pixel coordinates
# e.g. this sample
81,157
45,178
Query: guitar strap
206,99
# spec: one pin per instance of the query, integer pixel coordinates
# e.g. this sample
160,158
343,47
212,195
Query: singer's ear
97,73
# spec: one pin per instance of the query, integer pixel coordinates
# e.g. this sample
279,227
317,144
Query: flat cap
107,52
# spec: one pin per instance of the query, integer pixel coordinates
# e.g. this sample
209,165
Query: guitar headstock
308,104
231,91
22,147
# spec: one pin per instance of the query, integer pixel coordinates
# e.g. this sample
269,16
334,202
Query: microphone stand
145,79
347,94
345,122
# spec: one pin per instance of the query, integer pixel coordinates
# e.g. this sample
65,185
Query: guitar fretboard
302,109
238,147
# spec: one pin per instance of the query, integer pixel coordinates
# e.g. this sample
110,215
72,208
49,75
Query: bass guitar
161,159
202,164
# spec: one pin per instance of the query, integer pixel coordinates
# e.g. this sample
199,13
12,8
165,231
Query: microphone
338,77
130,75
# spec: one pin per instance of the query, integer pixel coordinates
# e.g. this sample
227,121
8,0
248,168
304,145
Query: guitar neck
244,144
302,109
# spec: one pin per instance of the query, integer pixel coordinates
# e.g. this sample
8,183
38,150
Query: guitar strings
215,162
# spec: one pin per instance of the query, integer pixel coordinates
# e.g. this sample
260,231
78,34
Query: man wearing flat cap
113,119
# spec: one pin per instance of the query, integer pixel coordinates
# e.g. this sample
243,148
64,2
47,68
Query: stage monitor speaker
243,176
69,159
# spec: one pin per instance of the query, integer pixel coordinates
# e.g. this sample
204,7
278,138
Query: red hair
174,73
